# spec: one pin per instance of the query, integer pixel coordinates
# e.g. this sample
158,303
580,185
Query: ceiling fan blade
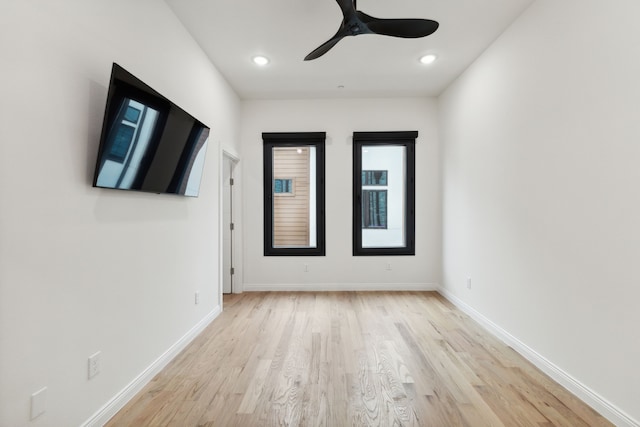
406,28
324,47
347,6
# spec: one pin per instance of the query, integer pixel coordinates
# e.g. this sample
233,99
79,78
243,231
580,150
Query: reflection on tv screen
148,143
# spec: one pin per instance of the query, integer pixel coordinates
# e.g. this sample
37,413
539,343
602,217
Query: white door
227,225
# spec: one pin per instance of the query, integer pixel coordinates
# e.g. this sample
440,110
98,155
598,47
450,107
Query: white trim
590,397
230,154
221,159
237,287
322,287
104,414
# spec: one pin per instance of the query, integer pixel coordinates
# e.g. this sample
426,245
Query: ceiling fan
355,23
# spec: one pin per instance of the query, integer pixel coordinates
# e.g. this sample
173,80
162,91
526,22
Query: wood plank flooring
350,359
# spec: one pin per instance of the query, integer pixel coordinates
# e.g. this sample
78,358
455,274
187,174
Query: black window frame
293,139
401,138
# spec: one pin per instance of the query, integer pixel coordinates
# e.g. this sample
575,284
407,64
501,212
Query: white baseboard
590,397
105,413
323,287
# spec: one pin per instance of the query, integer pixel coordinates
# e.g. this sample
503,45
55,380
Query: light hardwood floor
350,359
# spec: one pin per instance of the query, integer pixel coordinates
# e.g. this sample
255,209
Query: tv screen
148,143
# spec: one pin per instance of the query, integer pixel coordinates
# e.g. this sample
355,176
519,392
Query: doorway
228,226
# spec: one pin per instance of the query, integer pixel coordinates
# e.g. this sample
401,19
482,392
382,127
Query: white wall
339,269
85,269
541,155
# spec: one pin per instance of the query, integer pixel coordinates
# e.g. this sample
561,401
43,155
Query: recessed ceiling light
428,59
260,60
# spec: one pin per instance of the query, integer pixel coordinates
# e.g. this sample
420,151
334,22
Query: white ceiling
231,32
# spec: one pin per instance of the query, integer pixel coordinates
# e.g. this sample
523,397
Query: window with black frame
384,193
294,197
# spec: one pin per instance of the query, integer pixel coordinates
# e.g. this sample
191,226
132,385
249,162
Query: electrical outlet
468,282
197,300
94,364
38,403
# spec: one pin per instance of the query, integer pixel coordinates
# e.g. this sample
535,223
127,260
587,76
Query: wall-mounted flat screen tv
148,143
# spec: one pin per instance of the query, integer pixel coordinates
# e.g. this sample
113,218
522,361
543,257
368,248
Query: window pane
383,196
132,114
294,219
121,143
293,168
374,177
384,193
374,208
283,186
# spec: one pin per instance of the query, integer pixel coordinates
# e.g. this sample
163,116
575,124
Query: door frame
226,155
